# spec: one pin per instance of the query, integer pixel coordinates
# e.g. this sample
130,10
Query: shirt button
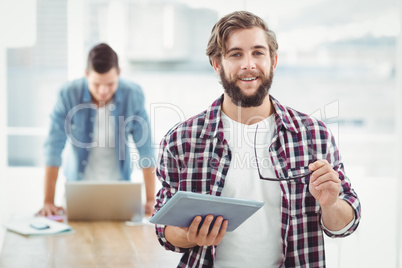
73,126
90,134
84,162
214,163
81,175
92,119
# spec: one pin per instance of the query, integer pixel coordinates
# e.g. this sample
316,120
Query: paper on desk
23,227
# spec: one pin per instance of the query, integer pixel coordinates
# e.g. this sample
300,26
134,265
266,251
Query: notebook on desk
97,201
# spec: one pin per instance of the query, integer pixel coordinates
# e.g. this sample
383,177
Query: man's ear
216,64
275,61
86,73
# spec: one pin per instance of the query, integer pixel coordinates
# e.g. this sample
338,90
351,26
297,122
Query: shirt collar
87,95
283,116
118,95
213,126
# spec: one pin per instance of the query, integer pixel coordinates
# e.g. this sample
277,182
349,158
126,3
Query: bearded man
247,145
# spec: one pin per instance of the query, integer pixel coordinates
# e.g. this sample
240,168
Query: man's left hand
324,183
149,207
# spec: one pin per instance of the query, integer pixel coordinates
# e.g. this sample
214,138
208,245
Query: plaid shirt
194,156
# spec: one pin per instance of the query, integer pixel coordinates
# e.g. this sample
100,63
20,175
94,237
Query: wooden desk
94,244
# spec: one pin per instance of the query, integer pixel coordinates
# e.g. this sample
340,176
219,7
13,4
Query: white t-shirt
257,242
102,162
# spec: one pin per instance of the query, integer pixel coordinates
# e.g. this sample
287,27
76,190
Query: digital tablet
181,209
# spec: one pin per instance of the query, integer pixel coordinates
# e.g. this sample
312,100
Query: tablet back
181,209
96,201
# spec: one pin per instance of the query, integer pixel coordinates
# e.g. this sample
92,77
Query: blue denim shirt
72,121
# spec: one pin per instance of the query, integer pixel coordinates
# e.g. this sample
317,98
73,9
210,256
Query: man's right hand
195,235
204,236
50,209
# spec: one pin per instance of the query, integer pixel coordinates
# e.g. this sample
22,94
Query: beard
239,98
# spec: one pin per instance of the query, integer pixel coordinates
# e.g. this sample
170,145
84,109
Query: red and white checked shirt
194,156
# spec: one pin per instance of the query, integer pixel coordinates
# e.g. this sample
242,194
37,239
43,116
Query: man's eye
235,55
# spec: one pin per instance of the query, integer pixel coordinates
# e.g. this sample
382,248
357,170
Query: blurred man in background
96,115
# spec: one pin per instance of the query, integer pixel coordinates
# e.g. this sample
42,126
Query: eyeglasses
292,178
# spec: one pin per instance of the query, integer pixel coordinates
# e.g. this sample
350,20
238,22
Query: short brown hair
102,58
235,21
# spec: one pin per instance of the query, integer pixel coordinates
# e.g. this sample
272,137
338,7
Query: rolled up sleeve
167,172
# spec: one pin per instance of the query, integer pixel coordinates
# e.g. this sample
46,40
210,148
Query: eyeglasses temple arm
255,152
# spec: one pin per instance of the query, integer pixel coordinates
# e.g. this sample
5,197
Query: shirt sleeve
143,140
346,193
141,130
343,230
56,138
167,172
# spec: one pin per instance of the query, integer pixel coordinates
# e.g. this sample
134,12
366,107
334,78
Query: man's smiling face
246,68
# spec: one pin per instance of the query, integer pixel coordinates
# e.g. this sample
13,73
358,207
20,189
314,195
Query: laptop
104,201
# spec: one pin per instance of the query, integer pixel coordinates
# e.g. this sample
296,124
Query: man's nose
103,89
248,62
